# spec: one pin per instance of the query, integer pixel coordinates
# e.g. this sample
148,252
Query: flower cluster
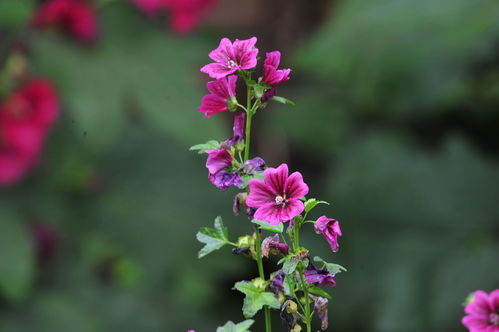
26,116
272,197
185,15
75,17
482,312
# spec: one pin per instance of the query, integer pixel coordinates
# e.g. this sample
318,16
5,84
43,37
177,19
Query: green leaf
16,260
320,292
330,267
289,284
241,327
283,100
289,265
214,238
201,148
268,227
247,178
259,90
255,298
312,203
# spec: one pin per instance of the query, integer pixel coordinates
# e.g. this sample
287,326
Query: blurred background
396,124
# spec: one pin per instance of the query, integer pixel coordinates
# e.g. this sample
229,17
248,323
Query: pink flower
277,197
185,14
271,74
25,117
221,91
330,228
75,16
230,57
483,312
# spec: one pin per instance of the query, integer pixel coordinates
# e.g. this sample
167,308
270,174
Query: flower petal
292,209
212,104
260,194
480,304
219,88
224,52
217,70
270,213
294,187
275,178
273,59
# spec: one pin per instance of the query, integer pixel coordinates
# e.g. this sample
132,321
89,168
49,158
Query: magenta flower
221,91
271,74
277,197
218,160
75,17
230,57
330,228
483,312
223,179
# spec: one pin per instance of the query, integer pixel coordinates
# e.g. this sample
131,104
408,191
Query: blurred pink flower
76,17
25,116
277,197
330,228
221,91
185,15
230,57
483,312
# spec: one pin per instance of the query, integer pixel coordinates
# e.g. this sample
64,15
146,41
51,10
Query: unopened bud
296,328
291,307
259,283
245,241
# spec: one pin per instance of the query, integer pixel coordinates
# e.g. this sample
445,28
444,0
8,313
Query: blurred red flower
185,15
76,17
25,117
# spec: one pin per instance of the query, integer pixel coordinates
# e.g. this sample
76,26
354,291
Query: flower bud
296,328
245,241
259,283
291,307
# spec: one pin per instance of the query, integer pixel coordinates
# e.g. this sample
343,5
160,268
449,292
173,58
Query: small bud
259,283
291,307
296,328
245,241
232,104
280,297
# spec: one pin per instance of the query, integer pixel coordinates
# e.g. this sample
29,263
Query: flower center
231,64
280,200
494,318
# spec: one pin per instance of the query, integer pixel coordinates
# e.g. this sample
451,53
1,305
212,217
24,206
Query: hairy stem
261,272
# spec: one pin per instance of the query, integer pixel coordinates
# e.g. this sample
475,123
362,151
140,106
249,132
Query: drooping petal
254,165
270,213
294,187
217,70
276,178
292,209
219,88
259,195
223,179
231,85
218,160
212,104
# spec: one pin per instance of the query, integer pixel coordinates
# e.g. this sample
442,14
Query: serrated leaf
283,100
201,148
241,327
312,203
255,298
268,227
320,292
213,238
289,284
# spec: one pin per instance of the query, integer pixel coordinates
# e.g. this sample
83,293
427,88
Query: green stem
258,245
247,139
296,246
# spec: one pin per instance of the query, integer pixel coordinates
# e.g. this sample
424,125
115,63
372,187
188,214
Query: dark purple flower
254,165
277,282
218,160
315,276
223,179
238,200
273,242
330,228
46,240
320,308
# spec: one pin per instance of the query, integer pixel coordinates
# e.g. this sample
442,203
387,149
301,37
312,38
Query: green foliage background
395,124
